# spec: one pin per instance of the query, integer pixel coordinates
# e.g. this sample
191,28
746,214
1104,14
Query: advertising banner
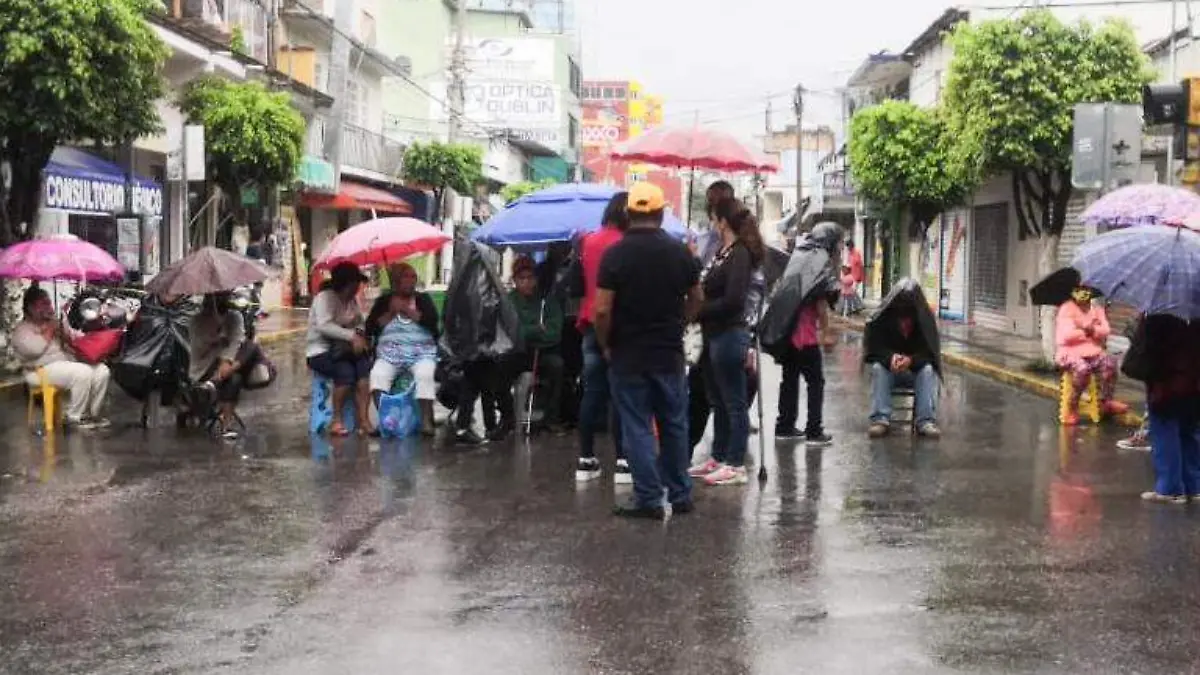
953,298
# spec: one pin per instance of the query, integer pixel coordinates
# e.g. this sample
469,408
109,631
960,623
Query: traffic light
1166,103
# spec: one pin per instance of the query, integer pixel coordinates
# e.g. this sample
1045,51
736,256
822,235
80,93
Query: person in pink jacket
1081,334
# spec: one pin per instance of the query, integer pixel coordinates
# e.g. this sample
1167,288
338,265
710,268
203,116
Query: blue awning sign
74,180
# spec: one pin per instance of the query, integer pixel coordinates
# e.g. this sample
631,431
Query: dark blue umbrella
557,213
1154,269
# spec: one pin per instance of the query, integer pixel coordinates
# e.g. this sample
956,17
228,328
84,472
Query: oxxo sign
99,196
600,135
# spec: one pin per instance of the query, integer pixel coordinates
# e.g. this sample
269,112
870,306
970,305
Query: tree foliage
251,135
900,158
71,71
1010,98
439,166
511,193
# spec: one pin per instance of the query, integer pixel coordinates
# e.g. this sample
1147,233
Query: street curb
1030,383
14,390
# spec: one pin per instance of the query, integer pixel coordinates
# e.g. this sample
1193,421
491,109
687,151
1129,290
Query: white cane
533,387
762,430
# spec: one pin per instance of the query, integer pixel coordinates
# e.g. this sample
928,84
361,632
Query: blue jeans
925,383
594,404
725,380
1175,453
641,400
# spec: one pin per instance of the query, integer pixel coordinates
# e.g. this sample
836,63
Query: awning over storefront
353,195
74,180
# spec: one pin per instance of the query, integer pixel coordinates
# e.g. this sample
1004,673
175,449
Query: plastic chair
1089,405
49,395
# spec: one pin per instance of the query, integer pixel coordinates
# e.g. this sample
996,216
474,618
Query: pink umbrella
694,147
59,258
382,241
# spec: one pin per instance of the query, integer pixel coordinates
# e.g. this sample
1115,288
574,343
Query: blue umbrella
1155,269
557,213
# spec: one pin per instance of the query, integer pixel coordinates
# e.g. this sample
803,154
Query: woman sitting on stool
337,348
404,324
1081,334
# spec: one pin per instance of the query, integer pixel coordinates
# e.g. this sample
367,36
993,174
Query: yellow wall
300,63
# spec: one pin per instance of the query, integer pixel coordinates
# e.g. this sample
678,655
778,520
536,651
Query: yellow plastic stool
49,394
1089,404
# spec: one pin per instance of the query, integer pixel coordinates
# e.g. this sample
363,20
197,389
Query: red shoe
1071,420
1113,408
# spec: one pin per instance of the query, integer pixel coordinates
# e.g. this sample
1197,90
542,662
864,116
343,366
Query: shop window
100,230
572,131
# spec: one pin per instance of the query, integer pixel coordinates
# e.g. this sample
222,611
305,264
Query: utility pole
458,72
759,179
1174,78
798,105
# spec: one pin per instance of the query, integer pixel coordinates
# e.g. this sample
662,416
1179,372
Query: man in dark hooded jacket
902,349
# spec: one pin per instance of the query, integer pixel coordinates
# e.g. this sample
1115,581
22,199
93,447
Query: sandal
338,429
1156,498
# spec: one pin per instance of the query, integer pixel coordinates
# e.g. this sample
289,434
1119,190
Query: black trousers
549,378
797,363
699,406
230,389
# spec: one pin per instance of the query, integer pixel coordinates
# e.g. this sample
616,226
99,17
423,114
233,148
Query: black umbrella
1056,288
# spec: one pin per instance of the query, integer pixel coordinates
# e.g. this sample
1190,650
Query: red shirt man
590,255
855,261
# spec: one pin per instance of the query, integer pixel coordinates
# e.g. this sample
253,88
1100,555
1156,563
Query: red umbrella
693,147
382,241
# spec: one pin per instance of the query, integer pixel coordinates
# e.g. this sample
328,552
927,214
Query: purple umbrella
1145,204
1154,269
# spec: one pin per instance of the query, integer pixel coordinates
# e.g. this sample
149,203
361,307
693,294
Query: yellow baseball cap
645,197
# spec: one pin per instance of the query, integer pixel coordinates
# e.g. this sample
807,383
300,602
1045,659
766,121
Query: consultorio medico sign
72,193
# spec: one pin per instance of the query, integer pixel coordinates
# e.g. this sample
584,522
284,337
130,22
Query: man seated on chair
902,349
1081,336
403,324
541,323
38,343
223,362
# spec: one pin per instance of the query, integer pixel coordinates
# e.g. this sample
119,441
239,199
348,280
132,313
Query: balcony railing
218,20
368,150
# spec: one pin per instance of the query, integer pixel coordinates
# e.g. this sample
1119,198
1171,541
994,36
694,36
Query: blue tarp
558,213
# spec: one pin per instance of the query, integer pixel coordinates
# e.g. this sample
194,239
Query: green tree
511,193
439,166
900,159
252,136
70,71
1010,99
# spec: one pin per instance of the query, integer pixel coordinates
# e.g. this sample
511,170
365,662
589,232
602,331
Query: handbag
97,346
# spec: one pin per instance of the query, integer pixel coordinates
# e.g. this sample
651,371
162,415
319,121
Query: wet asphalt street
1005,547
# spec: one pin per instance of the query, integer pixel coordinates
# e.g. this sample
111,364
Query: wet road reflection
1009,546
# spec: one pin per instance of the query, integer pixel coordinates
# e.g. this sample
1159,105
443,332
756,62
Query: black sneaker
819,439
499,433
586,469
621,474
788,433
468,437
633,510
680,508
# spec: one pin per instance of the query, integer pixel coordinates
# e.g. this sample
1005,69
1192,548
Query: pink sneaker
701,470
727,475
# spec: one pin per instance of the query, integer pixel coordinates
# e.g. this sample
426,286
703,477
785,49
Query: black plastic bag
156,349
480,320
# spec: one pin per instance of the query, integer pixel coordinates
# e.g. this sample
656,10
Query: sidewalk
281,324
1008,359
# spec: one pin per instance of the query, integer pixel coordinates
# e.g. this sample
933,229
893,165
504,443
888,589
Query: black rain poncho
881,336
156,349
479,320
808,277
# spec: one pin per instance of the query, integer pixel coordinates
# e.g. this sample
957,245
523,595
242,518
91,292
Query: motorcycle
96,319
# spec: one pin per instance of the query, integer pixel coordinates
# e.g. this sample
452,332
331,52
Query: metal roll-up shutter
989,267
1074,232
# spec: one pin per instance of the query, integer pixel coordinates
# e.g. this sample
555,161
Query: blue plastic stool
320,411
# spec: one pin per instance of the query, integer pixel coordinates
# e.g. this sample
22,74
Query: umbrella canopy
557,213
207,270
1056,288
694,147
59,258
381,242
1145,204
1154,269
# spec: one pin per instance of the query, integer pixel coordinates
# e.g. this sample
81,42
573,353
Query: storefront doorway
989,266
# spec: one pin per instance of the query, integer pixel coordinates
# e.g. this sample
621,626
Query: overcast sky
719,59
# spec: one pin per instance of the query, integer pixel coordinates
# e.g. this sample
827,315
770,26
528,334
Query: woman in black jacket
727,284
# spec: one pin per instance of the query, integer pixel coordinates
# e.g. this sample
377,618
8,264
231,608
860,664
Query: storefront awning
78,181
353,195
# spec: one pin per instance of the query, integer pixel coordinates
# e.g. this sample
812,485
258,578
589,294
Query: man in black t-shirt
649,286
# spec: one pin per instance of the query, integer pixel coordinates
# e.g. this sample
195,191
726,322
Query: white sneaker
622,475
727,475
587,469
